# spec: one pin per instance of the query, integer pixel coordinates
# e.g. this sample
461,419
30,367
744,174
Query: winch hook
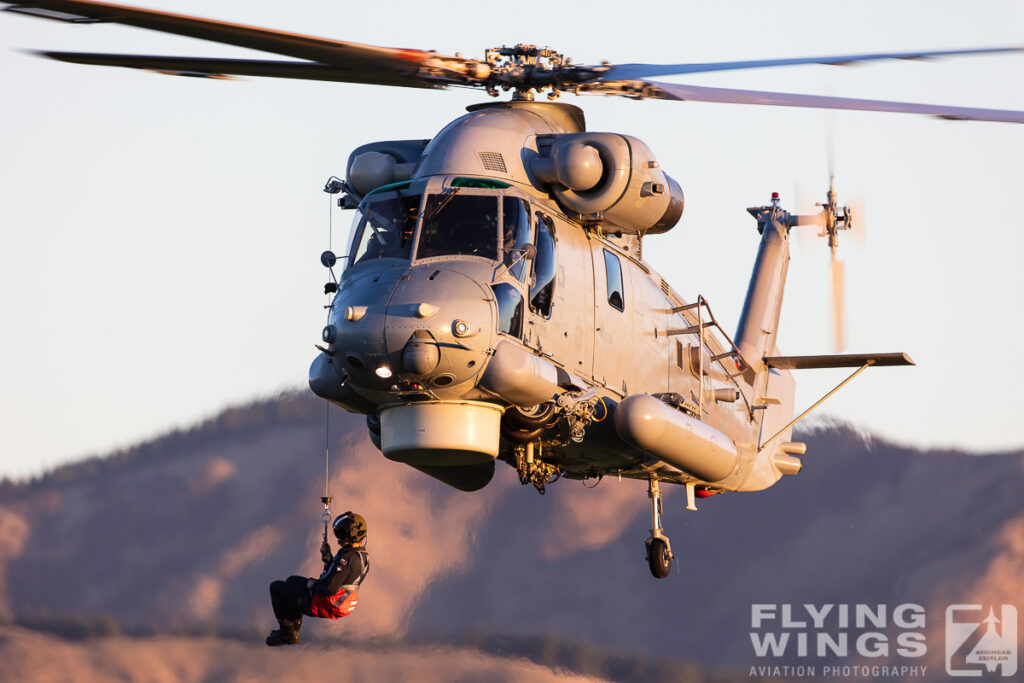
325,516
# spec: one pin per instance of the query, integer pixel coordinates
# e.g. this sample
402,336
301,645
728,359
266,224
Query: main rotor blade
697,93
354,56
634,71
225,68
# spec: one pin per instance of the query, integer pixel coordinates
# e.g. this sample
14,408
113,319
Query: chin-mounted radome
609,179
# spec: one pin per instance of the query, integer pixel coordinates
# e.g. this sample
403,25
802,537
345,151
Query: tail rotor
831,219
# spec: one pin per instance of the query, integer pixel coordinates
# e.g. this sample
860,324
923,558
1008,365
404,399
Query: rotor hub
528,69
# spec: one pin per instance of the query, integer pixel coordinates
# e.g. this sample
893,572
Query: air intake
493,161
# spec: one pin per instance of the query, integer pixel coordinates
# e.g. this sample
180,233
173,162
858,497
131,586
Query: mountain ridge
190,527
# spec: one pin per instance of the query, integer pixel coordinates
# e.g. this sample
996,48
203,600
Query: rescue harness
344,600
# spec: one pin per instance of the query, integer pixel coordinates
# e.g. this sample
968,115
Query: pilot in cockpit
508,239
392,236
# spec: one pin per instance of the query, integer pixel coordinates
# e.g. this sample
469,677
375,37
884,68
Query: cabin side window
510,309
613,276
545,267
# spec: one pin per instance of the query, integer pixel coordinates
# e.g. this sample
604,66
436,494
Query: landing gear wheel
659,554
659,558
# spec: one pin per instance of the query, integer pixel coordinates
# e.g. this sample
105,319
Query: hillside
190,528
29,655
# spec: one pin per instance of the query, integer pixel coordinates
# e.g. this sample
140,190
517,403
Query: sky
161,236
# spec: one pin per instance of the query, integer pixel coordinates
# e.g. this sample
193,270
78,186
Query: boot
288,634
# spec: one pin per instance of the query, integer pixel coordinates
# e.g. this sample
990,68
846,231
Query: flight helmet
350,527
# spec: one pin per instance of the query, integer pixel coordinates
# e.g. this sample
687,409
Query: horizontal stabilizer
845,360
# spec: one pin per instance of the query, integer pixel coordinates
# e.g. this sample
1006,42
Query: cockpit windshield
384,227
456,223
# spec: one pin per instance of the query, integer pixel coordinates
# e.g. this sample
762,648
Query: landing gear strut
659,552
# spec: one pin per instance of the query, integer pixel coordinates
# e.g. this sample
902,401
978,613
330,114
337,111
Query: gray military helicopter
494,304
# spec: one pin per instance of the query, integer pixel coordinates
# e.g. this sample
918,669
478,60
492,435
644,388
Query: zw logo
976,643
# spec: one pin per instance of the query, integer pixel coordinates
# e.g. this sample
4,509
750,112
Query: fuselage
469,300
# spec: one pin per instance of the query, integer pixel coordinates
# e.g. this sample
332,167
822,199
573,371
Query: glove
325,552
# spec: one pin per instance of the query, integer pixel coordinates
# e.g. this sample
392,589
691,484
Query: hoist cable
327,450
325,516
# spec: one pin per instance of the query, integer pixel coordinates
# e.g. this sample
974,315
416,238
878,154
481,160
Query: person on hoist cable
335,594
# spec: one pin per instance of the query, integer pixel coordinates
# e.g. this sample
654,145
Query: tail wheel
659,558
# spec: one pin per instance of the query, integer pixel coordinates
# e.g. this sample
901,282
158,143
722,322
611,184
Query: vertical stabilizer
774,388
759,322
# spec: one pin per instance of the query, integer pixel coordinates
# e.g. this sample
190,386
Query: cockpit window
455,223
515,233
384,228
542,284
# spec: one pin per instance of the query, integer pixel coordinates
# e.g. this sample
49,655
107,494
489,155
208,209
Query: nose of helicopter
427,327
438,326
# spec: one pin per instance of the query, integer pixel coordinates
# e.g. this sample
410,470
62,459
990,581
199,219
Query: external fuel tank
675,438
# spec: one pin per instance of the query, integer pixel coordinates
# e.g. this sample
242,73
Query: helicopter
494,303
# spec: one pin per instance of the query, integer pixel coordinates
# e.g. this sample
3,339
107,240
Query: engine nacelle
381,163
609,178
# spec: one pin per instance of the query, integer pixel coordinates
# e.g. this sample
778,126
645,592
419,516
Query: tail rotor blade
859,224
830,136
800,238
837,304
